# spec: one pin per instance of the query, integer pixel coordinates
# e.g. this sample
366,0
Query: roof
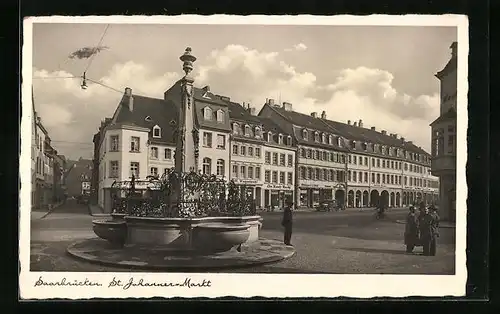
237,112
450,66
347,131
449,115
161,113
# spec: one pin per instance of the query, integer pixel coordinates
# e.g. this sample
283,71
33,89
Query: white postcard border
249,285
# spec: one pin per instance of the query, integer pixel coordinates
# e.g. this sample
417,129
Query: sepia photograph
196,148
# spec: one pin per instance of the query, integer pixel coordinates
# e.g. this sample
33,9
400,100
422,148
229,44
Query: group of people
422,229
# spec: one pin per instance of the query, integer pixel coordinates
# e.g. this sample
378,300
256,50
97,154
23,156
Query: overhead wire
98,45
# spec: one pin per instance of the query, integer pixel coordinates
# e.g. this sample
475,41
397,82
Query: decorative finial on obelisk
188,60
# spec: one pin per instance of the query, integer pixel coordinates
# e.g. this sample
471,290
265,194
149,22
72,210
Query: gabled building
444,136
353,164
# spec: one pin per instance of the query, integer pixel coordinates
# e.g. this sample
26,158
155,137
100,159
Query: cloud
297,47
245,75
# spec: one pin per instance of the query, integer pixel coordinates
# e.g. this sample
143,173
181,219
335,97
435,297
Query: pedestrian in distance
287,222
411,230
435,229
427,228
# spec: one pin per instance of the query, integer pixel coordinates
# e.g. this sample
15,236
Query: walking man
287,222
435,230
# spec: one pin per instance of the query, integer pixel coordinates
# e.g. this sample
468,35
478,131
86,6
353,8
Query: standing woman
411,230
287,222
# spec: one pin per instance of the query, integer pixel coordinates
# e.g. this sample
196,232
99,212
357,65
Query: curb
51,210
72,251
445,226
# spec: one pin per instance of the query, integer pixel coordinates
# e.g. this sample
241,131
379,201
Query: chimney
349,122
271,102
373,128
39,119
410,142
130,100
402,139
252,111
360,123
323,115
395,135
287,106
314,114
206,89
383,132
355,123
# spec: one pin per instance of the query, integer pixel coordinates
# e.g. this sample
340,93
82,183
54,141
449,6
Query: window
316,136
282,177
267,176
304,134
392,164
236,128
220,167
250,172
257,173
309,153
282,159
207,113
156,131
250,151
360,176
354,177
378,163
383,178
114,143
168,153
220,116
289,140
243,150
290,160
355,159
134,144
373,178
113,169
269,136
243,171
350,159
280,139
221,141
154,152
330,140
290,178
349,175
258,132
451,139
378,177
247,130
134,169
406,180
316,154
366,177
207,166
323,138
235,171
325,157
207,139
153,171
268,158
275,176
257,152
275,158
235,149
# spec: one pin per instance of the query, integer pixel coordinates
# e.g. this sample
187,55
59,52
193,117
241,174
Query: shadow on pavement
384,251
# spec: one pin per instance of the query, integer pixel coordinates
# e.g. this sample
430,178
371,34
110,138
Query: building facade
444,137
354,165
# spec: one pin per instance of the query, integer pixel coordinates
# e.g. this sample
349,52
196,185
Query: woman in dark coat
411,230
287,222
427,224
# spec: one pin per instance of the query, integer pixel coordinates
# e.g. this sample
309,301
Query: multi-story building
44,167
247,156
444,144
351,163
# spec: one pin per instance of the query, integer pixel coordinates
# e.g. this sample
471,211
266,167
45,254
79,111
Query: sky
383,75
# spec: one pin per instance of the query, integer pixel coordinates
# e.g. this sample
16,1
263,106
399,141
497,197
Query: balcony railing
443,163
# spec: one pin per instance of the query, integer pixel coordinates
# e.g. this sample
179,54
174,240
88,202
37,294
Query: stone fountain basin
114,231
219,237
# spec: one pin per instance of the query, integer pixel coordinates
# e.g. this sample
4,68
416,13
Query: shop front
251,189
277,195
311,196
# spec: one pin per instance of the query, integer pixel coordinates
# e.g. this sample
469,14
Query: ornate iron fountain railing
181,195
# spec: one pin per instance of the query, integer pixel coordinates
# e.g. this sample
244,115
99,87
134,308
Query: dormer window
269,136
207,113
148,119
236,128
280,139
330,139
220,116
304,134
258,132
247,130
365,146
316,136
289,140
338,141
323,138
156,131
383,150
353,144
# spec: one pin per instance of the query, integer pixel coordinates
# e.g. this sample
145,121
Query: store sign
140,185
243,181
278,186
